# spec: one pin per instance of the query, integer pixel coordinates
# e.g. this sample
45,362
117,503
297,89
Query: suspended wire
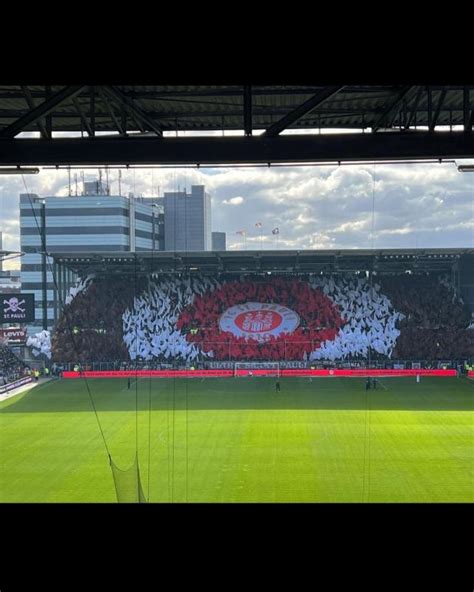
168,401
373,208
168,404
366,473
186,379
73,341
149,380
132,221
174,380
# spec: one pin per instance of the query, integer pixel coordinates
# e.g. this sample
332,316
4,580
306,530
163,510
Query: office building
188,220
92,222
218,241
10,281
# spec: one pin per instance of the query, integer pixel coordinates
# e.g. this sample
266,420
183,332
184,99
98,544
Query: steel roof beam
92,110
438,109
414,108
234,150
82,115
391,111
429,99
232,92
260,110
49,116
111,112
41,111
467,119
136,111
302,110
31,105
248,110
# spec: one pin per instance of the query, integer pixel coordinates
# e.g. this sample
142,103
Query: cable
373,209
174,380
149,380
136,351
67,319
366,482
186,379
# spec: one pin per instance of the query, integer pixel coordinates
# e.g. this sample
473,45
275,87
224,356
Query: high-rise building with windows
92,222
218,241
188,220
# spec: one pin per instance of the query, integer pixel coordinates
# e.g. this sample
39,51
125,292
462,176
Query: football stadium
137,368
251,377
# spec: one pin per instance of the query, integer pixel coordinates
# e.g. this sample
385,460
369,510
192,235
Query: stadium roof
136,120
144,262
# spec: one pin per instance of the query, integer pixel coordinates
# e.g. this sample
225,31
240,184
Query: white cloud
234,201
424,205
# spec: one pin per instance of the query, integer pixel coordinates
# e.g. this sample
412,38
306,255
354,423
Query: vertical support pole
370,345
131,229
466,111
248,110
60,283
49,118
64,281
43,262
430,108
92,109
152,229
55,293
124,122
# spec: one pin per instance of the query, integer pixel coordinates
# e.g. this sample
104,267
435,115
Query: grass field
237,440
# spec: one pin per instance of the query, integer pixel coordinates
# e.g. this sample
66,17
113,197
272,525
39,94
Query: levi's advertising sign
13,335
17,308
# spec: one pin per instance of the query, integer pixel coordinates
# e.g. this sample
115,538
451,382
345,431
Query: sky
314,207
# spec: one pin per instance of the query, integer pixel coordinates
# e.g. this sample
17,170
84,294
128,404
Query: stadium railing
289,364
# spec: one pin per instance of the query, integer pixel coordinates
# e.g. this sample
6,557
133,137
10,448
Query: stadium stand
168,319
11,366
436,322
91,322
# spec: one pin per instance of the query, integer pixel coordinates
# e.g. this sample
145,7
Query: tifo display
190,319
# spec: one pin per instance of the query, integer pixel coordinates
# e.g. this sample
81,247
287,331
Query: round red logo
259,321
239,320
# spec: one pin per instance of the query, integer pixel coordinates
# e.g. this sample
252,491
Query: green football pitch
237,440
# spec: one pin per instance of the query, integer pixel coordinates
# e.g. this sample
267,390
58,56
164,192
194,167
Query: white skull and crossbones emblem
14,305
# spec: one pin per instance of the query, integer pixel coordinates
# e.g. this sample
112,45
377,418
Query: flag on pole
276,231
258,225
241,232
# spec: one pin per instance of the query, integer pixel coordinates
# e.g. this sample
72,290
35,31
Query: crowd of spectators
90,327
11,366
436,321
432,322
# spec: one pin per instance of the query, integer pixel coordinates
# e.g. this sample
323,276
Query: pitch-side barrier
257,372
15,384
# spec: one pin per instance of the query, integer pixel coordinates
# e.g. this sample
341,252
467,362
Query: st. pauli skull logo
14,305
